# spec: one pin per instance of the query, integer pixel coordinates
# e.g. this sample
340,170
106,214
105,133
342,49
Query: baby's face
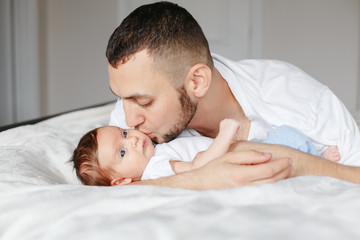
124,152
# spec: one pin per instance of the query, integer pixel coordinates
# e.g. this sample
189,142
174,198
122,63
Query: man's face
151,103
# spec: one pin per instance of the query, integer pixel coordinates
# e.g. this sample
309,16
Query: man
161,68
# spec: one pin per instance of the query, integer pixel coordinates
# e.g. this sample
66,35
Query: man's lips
148,134
151,135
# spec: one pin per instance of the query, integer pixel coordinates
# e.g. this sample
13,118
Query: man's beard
188,109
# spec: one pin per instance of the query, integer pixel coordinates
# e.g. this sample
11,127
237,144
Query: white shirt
182,149
282,94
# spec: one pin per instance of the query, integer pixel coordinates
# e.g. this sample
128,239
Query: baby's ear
121,181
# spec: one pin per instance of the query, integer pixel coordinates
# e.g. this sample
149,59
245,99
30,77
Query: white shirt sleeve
282,94
336,126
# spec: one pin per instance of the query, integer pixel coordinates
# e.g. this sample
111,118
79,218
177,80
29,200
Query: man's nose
133,116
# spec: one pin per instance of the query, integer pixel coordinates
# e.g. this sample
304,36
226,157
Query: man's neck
218,104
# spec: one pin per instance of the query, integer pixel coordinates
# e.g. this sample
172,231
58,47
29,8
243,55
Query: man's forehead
139,89
129,80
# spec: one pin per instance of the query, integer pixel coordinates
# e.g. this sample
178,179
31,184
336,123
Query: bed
41,198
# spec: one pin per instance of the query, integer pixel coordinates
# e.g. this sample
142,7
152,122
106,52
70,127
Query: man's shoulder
255,65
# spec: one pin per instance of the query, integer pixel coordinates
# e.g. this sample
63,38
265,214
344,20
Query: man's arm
304,164
237,168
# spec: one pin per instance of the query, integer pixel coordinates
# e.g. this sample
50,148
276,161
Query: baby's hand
229,128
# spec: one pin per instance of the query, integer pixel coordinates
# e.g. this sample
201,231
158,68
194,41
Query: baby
114,156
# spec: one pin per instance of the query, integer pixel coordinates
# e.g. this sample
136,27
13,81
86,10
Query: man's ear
120,181
198,80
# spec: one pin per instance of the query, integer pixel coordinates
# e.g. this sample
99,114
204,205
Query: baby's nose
132,140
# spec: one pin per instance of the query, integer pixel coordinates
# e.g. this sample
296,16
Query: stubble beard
188,109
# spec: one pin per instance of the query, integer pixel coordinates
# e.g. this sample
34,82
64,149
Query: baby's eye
125,133
122,152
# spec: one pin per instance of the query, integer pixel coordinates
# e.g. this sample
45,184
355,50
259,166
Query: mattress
41,198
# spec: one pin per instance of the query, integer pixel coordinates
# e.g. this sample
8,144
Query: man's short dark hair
167,31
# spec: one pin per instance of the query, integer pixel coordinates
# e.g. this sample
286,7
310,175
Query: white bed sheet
40,198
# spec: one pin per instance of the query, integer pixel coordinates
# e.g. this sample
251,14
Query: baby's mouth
143,144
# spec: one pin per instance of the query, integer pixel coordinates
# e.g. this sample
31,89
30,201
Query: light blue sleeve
288,136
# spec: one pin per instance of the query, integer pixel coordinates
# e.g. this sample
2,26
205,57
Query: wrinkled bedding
41,198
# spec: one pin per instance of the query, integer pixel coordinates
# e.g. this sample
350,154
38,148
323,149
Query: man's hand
303,163
239,168
234,169
245,166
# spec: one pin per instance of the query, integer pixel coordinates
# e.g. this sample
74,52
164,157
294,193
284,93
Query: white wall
225,23
6,87
76,35
321,37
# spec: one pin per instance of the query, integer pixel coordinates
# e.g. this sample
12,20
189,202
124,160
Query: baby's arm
228,130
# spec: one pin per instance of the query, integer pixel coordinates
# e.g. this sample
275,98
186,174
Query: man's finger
249,157
280,176
266,172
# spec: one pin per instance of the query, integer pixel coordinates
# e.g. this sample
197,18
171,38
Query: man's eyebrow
137,95
133,96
